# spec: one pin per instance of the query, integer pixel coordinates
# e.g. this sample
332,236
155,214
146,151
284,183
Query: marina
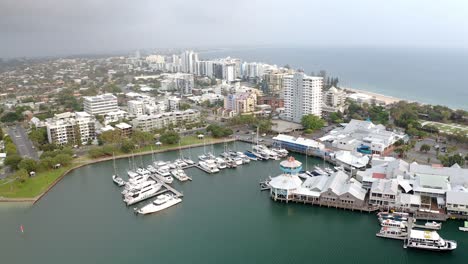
225,206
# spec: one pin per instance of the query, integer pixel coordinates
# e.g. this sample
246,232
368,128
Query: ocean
434,76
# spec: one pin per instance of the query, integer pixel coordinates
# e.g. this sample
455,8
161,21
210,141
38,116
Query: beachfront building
100,104
71,128
334,100
283,187
148,123
302,96
363,136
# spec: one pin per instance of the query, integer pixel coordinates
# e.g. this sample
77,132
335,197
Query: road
22,142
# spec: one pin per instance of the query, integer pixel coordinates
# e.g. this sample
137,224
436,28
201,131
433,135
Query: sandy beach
380,97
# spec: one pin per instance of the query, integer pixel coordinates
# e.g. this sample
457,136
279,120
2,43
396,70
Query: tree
264,125
127,146
111,137
142,138
448,161
219,131
184,106
63,159
38,136
170,137
336,117
28,165
21,175
425,148
312,122
1,133
13,161
11,117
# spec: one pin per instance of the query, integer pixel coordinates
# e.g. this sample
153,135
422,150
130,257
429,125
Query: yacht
238,161
144,194
203,157
179,174
393,223
163,171
160,203
137,180
281,152
188,161
209,166
429,240
159,163
133,188
392,232
433,225
230,163
225,154
180,163
221,163
250,155
132,174
117,180
151,169
244,157
260,154
166,178
172,166
143,172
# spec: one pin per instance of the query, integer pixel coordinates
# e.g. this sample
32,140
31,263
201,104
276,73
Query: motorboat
162,202
203,157
179,174
393,223
137,180
464,228
225,154
209,166
238,161
392,232
188,161
163,171
179,163
133,188
429,240
117,180
132,174
433,225
143,172
281,152
143,194
244,157
151,169
159,163
221,163
250,155
230,163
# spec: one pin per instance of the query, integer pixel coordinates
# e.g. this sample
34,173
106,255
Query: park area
447,128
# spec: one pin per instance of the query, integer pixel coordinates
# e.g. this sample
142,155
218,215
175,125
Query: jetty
166,187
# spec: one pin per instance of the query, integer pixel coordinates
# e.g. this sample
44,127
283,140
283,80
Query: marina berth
429,240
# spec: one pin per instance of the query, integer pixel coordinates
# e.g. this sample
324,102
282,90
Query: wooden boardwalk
166,186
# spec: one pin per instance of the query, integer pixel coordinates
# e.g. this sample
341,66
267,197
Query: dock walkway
167,187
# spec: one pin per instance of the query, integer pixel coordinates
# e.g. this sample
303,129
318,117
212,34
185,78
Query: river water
224,218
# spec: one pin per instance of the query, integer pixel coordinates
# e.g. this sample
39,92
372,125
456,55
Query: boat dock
264,185
166,188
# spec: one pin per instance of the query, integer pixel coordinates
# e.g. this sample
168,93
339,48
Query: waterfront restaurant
283,187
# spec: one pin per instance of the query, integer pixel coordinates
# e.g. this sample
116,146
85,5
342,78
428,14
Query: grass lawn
32,187
447,128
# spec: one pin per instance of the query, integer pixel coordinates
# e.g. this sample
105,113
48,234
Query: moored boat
429,240
162,202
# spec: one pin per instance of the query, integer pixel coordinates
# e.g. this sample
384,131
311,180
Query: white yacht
221,163
180,163
117,180
203,157
429,240
159,163
392,232
133,188
179,174
137,180
163,171
151,169
244,157
393,223
162,202
209,166
132,174
144,194
143,172
188,161
238,161
281,152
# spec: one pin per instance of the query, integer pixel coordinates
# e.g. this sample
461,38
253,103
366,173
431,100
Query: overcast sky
51,27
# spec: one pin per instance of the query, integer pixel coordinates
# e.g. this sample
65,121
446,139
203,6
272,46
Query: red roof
377,175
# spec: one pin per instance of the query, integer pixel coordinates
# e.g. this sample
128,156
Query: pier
167,187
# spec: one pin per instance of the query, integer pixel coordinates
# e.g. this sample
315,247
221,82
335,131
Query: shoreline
378,96
34,200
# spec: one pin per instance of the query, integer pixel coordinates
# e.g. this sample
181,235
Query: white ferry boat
144,194
393,223
429,240
162,202
392,232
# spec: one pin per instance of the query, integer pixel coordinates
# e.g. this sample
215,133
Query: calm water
224,218
435,76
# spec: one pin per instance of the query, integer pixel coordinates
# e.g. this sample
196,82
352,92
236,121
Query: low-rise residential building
241,103
150,122
125,129
115,116
100,104
71,128
457,202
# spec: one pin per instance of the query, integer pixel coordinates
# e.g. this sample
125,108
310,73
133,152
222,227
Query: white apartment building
100,104
136,107
71,128
302,96
148,123
189,60
180,82
115,116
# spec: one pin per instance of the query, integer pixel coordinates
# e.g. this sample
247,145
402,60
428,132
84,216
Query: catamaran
162,202
429,240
